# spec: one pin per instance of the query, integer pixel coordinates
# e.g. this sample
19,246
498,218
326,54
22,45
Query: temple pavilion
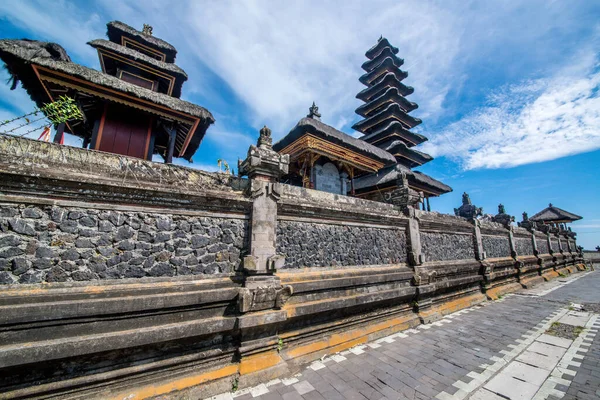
377,164
555,217
131,107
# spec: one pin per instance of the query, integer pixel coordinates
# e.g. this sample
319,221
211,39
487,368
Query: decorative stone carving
263,298
313,112
404,196
502,217
526,223
147,30
262,162
467,209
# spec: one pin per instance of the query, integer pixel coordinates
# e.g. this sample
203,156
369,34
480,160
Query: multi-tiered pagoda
386,123
131,107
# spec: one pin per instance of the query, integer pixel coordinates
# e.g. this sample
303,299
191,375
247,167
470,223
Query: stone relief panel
542,246
496,246
327,178
306,244
523,246
58,244
447,246
554,244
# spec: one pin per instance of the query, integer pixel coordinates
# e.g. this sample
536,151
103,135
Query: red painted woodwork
137,80
125,132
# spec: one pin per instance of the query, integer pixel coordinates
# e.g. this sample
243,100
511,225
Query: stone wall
60,244
447,246
542,245
310,244
554,244
523,246
496,246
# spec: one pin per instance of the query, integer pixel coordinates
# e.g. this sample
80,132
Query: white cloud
535,121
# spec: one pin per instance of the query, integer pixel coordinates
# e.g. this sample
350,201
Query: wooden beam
60,131
171,145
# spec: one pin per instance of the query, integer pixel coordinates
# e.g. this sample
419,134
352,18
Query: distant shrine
554,217
131,107
377,166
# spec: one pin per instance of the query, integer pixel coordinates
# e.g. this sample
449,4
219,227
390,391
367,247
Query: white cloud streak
538,120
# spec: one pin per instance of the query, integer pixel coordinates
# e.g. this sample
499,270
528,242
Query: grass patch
565,331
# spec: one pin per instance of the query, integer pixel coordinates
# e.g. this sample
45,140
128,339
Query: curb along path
497,350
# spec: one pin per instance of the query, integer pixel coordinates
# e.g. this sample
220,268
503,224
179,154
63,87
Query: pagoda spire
386,122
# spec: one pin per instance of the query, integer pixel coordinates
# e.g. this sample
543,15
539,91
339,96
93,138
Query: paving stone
554,340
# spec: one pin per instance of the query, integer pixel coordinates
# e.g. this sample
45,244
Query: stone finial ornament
502,217
525,217
526,223
262,162
467,209
265,140
147,30
403,195
313,112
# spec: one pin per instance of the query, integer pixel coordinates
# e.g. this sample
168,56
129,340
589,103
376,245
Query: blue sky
508,90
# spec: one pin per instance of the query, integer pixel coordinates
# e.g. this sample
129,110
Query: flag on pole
45,136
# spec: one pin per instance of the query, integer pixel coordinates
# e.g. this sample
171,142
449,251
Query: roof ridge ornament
313,112
147,30
265,140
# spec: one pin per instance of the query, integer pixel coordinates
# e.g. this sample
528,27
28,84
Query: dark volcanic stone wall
542,245
306,244
57,244
554,243
446,246
523,246
496,246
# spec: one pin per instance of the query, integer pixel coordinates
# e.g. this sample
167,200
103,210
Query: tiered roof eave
388,80
388,65
381,44
386,53
380,119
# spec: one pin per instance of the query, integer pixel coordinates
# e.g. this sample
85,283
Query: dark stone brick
70,255
126,245
124,232
32,212
42,263
163,224
106,251
137,261
10,252
21,226
111,262
162,237
88,221
20,265
57,274
31,277
146,237
43,251
84,243
76,215
105,226
162,269
68,265
6,278
69,226
208,258
134,272
83,275
9,240
8,212
104,240
199,241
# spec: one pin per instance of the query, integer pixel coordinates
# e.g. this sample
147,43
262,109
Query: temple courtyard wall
122,278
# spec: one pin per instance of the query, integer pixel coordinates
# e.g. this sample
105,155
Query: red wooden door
125,132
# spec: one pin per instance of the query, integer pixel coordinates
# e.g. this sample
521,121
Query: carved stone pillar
262,291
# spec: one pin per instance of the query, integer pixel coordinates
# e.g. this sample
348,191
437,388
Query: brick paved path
474,353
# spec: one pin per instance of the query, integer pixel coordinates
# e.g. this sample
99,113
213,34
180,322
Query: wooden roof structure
554,215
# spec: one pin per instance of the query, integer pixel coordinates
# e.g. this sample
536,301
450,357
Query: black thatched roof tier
388,176
117,29
170,68
554,214
383,117
388,80
329,133
32,52
394,130
388,65
386,53
391,95
405,155
382,44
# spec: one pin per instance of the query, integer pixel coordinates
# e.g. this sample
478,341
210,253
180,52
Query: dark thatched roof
389,65
391,95
137,56
381,44
393,112
33,52
389,175
394,127
389,80
387,52
552,214
116,29
319,129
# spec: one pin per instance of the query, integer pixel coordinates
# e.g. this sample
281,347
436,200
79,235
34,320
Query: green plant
578,330
223,164
279,344
234,384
